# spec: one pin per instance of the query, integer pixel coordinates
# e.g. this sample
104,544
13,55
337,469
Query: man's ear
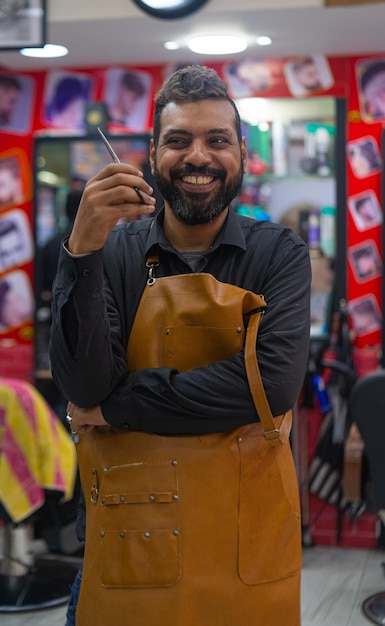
152,156
244,154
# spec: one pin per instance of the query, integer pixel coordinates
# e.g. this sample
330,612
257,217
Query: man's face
367,210
11,249
127,100
198,164
16,308
8,100
9,186
255,75
308,76
374,94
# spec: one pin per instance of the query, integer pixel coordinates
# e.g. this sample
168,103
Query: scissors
116,159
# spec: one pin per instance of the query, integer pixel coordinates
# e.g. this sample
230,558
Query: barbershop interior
308,79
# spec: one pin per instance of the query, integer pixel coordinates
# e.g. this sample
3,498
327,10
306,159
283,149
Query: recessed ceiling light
49,51
171,45
264,40
217,44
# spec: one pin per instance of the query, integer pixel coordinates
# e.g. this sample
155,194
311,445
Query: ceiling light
49,51
217,44
264,40
171,45
169,9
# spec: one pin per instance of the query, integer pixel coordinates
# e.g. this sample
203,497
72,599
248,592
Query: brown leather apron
192,530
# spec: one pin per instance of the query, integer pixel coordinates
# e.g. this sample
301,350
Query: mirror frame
183,9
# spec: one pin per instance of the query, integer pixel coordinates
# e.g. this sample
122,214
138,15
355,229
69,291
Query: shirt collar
231,233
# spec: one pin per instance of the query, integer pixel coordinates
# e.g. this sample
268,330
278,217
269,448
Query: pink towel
36,451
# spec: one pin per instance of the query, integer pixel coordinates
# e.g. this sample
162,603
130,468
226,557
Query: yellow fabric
36,451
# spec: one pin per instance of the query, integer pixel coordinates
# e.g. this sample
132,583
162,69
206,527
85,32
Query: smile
198,180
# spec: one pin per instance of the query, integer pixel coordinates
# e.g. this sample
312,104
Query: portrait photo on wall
365,210
14,178
365,314
248,77
128,96
16,103
365,261
16,242
16,300
66,95
370,77
307,75
364,157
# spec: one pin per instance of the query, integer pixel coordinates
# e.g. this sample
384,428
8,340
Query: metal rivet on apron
175,497
152,498
103,500
102,533
176,533
76,438
239,439
105,469
174,462
167,331
147,534
239,329
122,534
121,498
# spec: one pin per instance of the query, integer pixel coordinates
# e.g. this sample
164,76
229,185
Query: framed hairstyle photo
22,24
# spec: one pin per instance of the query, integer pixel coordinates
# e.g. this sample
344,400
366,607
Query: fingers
121,175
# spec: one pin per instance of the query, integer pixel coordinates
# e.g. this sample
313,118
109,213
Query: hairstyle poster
370,77
364,157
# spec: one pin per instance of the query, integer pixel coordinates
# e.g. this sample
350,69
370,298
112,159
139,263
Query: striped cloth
36,451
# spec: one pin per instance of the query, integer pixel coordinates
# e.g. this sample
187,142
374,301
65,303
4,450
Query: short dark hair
301,63
67,90
9,82
7,226
361,201
191,84
371,71
4,289
132,82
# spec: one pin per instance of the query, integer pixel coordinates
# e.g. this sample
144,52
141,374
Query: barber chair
37,485
367,409
31,576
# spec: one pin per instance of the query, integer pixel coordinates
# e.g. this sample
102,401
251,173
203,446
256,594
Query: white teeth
198,180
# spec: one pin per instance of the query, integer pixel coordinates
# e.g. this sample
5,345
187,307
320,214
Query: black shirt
95,298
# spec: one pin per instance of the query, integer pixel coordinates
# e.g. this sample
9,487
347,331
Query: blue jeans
73,601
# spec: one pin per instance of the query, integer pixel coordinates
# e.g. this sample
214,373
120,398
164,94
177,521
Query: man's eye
176,141
218,140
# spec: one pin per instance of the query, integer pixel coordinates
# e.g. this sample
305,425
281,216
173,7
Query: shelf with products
290,179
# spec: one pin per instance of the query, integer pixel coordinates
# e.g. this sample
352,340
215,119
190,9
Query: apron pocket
137,520
269,513
140,558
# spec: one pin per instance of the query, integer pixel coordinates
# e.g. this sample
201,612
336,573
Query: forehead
199,116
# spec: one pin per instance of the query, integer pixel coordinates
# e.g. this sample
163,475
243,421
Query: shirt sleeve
217,398
86,345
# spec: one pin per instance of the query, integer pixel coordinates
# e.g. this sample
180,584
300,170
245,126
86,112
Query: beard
197,208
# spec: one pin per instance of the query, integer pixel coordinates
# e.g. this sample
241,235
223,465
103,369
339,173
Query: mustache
200,171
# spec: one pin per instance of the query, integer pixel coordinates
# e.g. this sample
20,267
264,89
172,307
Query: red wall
16,343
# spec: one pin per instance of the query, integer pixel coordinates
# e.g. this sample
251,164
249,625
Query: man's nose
197,153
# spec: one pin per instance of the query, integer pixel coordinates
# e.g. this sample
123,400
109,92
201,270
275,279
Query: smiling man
192,510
